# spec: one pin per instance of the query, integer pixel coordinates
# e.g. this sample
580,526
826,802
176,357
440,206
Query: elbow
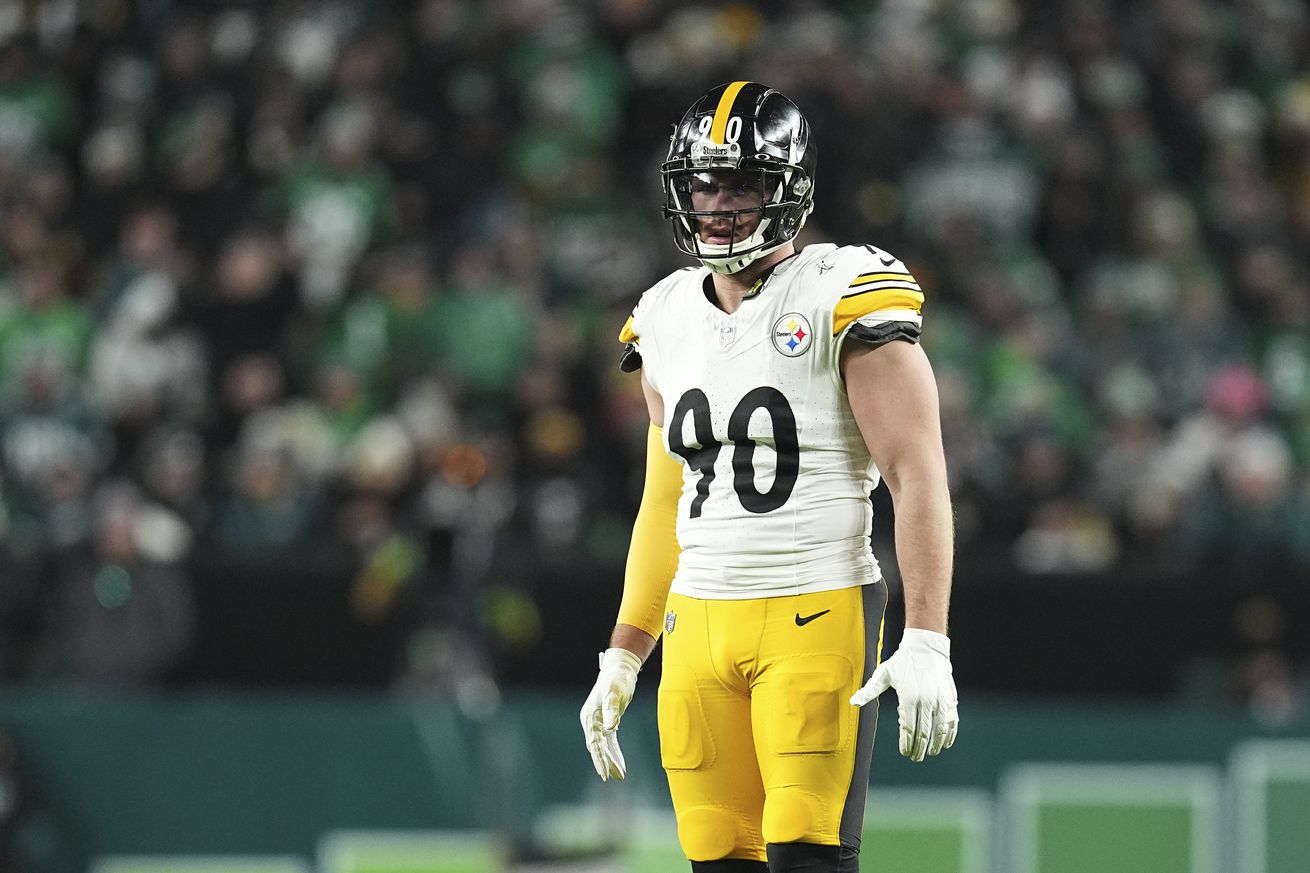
921,478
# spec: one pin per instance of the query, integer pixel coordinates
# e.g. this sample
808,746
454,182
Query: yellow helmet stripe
719,128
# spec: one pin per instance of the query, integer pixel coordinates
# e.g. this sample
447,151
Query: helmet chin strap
719,261
728,266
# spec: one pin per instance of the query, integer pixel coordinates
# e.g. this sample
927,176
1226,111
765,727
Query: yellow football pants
757,734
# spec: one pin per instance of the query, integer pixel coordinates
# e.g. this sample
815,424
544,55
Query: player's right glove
920,671
604,709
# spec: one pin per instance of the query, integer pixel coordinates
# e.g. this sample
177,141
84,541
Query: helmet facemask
745,190
709,207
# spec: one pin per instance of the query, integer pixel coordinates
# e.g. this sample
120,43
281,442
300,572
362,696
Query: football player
782,385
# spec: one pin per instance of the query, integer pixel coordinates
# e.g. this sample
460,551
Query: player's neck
732,288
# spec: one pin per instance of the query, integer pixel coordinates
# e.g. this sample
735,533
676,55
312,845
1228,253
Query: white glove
920,671
604,708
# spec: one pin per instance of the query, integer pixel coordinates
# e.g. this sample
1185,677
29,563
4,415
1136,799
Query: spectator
267,506
124,611
239,244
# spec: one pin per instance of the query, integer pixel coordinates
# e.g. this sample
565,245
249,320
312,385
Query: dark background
307,319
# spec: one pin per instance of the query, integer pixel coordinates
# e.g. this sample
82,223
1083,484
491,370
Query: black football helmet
748,128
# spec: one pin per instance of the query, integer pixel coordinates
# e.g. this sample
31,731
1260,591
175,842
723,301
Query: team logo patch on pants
670,619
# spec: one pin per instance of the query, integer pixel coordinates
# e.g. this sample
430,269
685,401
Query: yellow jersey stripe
720,126
627,334
885,286
859,305
866,278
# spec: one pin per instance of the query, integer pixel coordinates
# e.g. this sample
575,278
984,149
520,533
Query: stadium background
316,466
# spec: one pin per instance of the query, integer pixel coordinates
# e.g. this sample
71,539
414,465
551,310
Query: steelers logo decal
791,335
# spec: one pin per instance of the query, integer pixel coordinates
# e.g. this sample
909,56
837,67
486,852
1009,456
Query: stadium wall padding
270,773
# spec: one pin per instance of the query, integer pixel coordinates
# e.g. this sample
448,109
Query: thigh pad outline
810,705
685,740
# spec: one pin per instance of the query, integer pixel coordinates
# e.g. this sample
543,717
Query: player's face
727,191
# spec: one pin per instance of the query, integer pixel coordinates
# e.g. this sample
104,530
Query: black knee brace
730,865
812,858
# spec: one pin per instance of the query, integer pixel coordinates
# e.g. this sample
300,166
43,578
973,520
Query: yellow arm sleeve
653,554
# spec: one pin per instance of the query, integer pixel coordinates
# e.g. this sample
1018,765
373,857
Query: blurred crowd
316,277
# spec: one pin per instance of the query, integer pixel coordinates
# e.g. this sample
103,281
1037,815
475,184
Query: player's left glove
604,709
920,671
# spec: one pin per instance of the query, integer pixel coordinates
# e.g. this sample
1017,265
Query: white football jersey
776,475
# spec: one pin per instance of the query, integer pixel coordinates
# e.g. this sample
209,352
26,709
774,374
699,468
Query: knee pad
793,815
730,865
811,858
709,833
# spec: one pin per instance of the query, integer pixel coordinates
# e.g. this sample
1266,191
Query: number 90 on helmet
755,133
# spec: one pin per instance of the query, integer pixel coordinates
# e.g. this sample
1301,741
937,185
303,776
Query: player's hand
920,671
604,708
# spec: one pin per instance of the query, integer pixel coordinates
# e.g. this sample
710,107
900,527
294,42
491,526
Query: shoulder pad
879,283
641,318
630,359
627,334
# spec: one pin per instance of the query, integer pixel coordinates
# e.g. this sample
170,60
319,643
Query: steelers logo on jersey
792,334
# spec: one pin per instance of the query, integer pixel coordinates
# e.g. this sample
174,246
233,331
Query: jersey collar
707,286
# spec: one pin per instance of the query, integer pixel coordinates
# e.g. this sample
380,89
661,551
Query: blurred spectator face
113,155
407,280
347,139
1201,300
43,382
24,233
41,284
1262,272
67,480
439,20
1043,464
363,64
198,161
248,267
1236,394
1193,76
126,84
15,60
263,478
543,386
185,52
176,470
252,382
116,534
1256,469
50,191
624,14
1164,224
338,386
148,236
364,519
474,266
1291,306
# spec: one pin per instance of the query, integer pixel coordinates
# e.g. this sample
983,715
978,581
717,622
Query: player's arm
652,561
893,395
653,553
